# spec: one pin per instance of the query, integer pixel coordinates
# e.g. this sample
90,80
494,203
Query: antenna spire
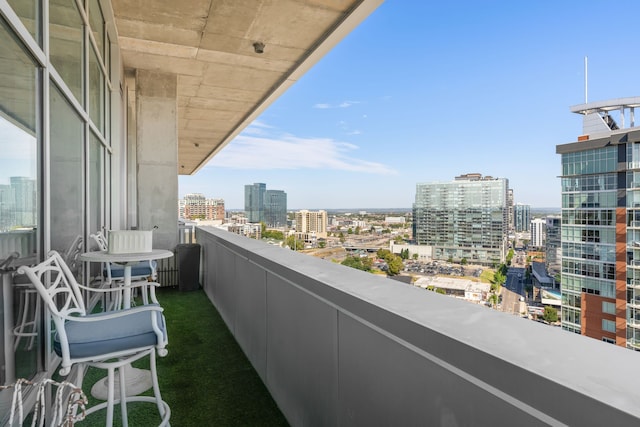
586,89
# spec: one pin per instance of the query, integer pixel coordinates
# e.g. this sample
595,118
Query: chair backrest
57,286
101,240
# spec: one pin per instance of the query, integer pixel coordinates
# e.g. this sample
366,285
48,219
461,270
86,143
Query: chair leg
110,396
156,386
123,396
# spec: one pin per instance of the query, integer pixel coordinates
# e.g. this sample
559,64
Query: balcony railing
336,346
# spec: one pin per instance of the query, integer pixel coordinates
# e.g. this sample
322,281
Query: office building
275,208
521,217
254,201
553,246
262,205
601,224
537,232
311,223
463,219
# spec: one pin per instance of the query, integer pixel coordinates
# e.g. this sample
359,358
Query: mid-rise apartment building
601,224
463,219
537,232
308,222
197,206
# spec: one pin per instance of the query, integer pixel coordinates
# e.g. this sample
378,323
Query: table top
104,256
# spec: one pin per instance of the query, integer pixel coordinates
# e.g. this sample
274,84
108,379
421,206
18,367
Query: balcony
276,338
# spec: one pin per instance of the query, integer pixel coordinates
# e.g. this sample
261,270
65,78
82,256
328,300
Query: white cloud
343,104
291,152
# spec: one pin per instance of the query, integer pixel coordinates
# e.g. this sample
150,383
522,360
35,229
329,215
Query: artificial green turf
206,379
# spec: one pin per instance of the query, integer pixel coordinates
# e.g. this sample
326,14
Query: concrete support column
157,156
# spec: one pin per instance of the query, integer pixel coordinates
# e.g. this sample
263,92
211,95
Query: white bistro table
138,380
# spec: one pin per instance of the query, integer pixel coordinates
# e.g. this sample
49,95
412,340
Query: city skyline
422,92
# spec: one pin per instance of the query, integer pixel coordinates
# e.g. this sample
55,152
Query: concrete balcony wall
339,347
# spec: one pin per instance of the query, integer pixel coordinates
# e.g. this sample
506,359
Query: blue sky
425,91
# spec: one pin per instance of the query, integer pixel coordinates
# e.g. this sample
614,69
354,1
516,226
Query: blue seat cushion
139,269
90,339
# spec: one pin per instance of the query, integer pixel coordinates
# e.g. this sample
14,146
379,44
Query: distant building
601,224
262,205
314,223
463,219
461,288
537,232
553,247
510,200
254,201
275,208
394,220
18,206
521,217
196,206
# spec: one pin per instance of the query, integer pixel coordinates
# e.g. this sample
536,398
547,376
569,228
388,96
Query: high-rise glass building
254,201
521,217
268,206
601,224
553,247
275,208
463,219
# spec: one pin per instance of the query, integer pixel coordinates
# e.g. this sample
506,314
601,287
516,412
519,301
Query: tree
294,244
510,256
357,262
463,261
415,257
273,234
349,231
550,314
322,244
493,300
394,262
342,239
395,265
358,229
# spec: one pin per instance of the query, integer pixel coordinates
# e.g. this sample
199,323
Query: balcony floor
206,378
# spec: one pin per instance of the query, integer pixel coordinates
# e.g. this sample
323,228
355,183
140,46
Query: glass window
608,307
66,44
18,150
66,179
97,24
19,94
95,184
96,91
29,13
608,325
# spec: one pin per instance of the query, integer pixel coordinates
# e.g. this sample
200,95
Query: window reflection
29,13
66,44
66,180
19,313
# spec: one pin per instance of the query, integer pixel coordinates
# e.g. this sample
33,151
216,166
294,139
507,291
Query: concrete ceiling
223,84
